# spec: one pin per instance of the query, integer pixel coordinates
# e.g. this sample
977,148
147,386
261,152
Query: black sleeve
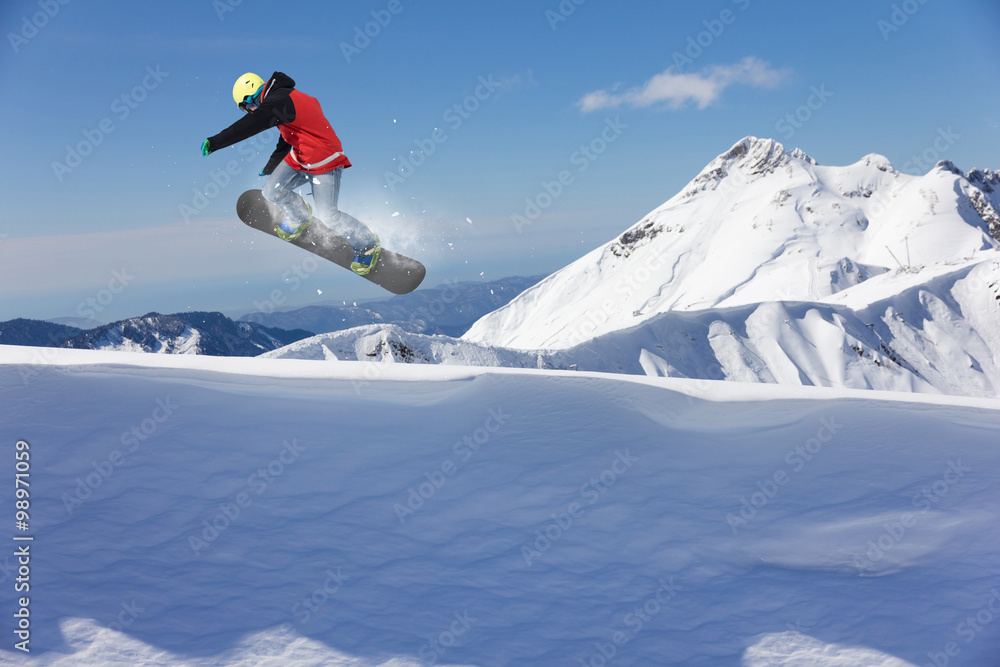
273,112
280,151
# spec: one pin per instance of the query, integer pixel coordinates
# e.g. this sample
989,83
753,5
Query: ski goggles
250,102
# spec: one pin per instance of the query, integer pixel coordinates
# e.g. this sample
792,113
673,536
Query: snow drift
192,510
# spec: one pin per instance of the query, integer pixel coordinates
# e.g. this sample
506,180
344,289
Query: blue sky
111,211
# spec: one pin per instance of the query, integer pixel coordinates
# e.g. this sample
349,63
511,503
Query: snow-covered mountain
393,344
766,268
762,224
186,333
40,333
938,337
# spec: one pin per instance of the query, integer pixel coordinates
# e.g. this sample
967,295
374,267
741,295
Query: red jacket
315,147
308,142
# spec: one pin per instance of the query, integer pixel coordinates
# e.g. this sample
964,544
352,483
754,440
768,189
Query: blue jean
280,188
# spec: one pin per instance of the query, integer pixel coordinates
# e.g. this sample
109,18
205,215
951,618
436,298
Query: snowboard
397,273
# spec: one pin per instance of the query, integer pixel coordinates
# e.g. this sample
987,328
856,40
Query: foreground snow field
222,511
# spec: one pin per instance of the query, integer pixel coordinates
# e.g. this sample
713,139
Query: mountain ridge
209,333
448,309
758,223
866,278
39,333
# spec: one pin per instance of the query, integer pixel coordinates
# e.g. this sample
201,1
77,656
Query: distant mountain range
448,309
36,332
181,333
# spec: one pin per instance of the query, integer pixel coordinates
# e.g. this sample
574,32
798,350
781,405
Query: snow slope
192,510
393,344
939,337
761,224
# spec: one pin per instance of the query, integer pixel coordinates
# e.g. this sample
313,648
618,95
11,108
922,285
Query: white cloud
675,89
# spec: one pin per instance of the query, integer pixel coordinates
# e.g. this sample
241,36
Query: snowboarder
307,151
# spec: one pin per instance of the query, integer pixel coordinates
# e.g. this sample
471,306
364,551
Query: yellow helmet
248,84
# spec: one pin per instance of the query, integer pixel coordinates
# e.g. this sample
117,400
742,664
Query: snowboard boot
290,232
363,264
